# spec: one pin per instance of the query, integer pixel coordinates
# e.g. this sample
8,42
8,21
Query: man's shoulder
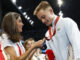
68,22
68,19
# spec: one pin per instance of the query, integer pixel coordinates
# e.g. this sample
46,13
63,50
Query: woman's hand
38,43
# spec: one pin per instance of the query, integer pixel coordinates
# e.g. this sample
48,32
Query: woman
11,29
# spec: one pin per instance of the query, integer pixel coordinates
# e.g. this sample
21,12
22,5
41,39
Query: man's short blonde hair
43,5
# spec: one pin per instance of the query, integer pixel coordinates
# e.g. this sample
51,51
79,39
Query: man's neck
54,18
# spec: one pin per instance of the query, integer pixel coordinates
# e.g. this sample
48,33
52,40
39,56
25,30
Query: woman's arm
31,54
12,53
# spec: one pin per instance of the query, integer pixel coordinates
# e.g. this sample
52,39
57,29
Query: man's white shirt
67,33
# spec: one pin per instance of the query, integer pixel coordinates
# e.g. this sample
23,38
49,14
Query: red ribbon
19,49
54,28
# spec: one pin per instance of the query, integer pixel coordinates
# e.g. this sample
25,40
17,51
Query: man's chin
47,25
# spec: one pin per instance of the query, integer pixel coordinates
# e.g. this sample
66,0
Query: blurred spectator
36,54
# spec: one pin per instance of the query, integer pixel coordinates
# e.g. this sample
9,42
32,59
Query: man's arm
73,34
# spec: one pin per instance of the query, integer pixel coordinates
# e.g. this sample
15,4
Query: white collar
54,20
4,36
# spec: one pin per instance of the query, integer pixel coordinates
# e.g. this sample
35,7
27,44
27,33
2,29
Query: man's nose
43,20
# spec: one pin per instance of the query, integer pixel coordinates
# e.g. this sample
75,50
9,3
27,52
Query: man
63,33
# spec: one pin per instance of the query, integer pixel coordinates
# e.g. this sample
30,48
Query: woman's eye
20,20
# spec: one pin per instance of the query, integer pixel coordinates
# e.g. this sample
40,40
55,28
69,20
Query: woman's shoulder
5,41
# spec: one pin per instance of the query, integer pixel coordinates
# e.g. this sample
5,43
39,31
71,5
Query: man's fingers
44,39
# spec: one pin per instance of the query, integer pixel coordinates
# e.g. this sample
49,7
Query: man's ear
51,10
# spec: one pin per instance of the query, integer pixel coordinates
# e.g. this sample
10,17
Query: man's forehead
40,13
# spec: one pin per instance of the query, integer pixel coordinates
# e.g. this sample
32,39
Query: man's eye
43,16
